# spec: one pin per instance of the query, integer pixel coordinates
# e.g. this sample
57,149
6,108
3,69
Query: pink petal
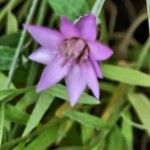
87,27
97,68
52,74
42,55
90,78
75,84
99,51
44,36
68,29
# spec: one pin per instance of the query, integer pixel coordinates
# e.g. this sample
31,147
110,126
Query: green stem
19,47
34,67
97,8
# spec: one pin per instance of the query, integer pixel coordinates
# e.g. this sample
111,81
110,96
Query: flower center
74,48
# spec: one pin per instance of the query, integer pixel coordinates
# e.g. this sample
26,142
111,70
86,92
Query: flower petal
97,68
75,84
90,78
52,74
68,29
44,36
87,27
42,55
99,51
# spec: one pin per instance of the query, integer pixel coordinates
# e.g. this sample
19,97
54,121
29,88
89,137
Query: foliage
40,121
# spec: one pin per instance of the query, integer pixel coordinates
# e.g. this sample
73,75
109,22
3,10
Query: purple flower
71,53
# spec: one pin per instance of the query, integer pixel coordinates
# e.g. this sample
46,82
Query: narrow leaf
116,140
12,23
3,80
45,139
148,10
126,75
28,99
40,108
16,115
127,131
60,92
86,119
10,40
142,106
1,121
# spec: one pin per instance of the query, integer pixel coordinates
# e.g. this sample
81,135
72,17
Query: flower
71,53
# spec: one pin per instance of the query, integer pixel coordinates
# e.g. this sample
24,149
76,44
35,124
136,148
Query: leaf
86,133
12,23
71,148
127,131
69,8
148,10
1,121
20,146
28,99
16,115
10,40
3,80
107,87
126,75
142,106
86,119
40,108
116,140
60,92
9,94
45,139
6,57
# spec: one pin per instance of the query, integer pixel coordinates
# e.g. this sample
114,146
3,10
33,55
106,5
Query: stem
18,50
97,8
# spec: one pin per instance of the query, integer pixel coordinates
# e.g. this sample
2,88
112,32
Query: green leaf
1,121
9,94
40,108
10,40
71,148
86,119
45,139
12,24
127,131
86,133
126,75
16,115
28,99
116,140
142,106
20,146
6,57
60,92
69,8
148,10
3,80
